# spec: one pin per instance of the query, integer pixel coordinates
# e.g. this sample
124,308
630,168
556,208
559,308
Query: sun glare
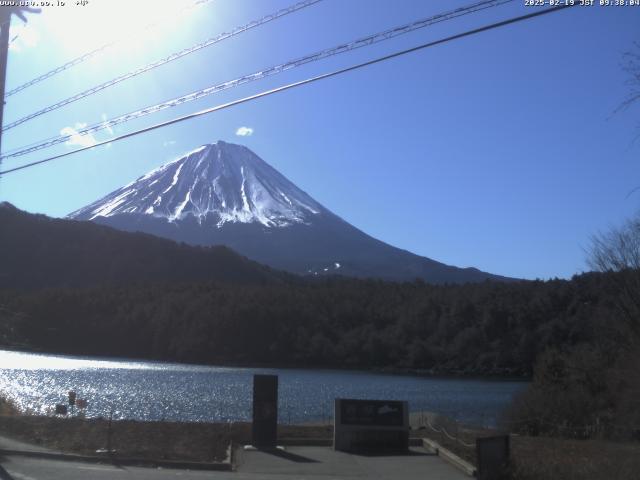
78,28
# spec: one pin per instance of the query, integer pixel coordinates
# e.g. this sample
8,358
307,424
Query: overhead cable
298,84
326,53
174,56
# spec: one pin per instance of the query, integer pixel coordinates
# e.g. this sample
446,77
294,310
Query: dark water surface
156,390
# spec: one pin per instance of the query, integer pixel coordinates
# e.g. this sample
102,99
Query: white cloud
87,140
104,122
244,132
168,143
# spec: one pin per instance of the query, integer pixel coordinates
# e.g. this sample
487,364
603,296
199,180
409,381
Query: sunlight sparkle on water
33,361
198,393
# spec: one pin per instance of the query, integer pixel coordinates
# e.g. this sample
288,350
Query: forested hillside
487,328
37,251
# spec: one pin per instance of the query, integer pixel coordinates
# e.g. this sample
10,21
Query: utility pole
5,23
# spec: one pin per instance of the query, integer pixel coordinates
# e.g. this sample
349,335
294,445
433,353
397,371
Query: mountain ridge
37,251
224,194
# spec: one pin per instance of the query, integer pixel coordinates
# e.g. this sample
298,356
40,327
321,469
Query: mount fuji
224,194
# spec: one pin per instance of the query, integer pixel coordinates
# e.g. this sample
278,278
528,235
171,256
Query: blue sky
499,151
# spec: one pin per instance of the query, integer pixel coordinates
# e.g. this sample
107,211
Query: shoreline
452,374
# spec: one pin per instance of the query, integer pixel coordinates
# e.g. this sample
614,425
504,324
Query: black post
5,23
265,411
493,457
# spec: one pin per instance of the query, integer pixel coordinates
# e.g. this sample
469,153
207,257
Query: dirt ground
533,458
561,459
188,441
543,458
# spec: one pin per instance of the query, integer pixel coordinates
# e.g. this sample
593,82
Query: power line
300,83
15,37
86,56
6,15
320,55
163,61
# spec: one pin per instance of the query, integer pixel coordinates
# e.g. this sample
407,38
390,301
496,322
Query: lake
144,390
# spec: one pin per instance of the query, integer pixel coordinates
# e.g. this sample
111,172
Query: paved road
325,463
27,468
11,444
299,463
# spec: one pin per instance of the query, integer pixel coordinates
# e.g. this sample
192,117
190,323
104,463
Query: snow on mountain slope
224,194
223,181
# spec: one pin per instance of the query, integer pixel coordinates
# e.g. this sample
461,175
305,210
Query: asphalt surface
28,468
7,443
325,463
318,463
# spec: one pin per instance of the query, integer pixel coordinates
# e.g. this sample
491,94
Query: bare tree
631,65
618,251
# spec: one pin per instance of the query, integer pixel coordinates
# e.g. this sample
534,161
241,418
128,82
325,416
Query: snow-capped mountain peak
224,194
220,181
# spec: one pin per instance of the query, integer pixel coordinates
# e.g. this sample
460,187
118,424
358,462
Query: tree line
486,328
